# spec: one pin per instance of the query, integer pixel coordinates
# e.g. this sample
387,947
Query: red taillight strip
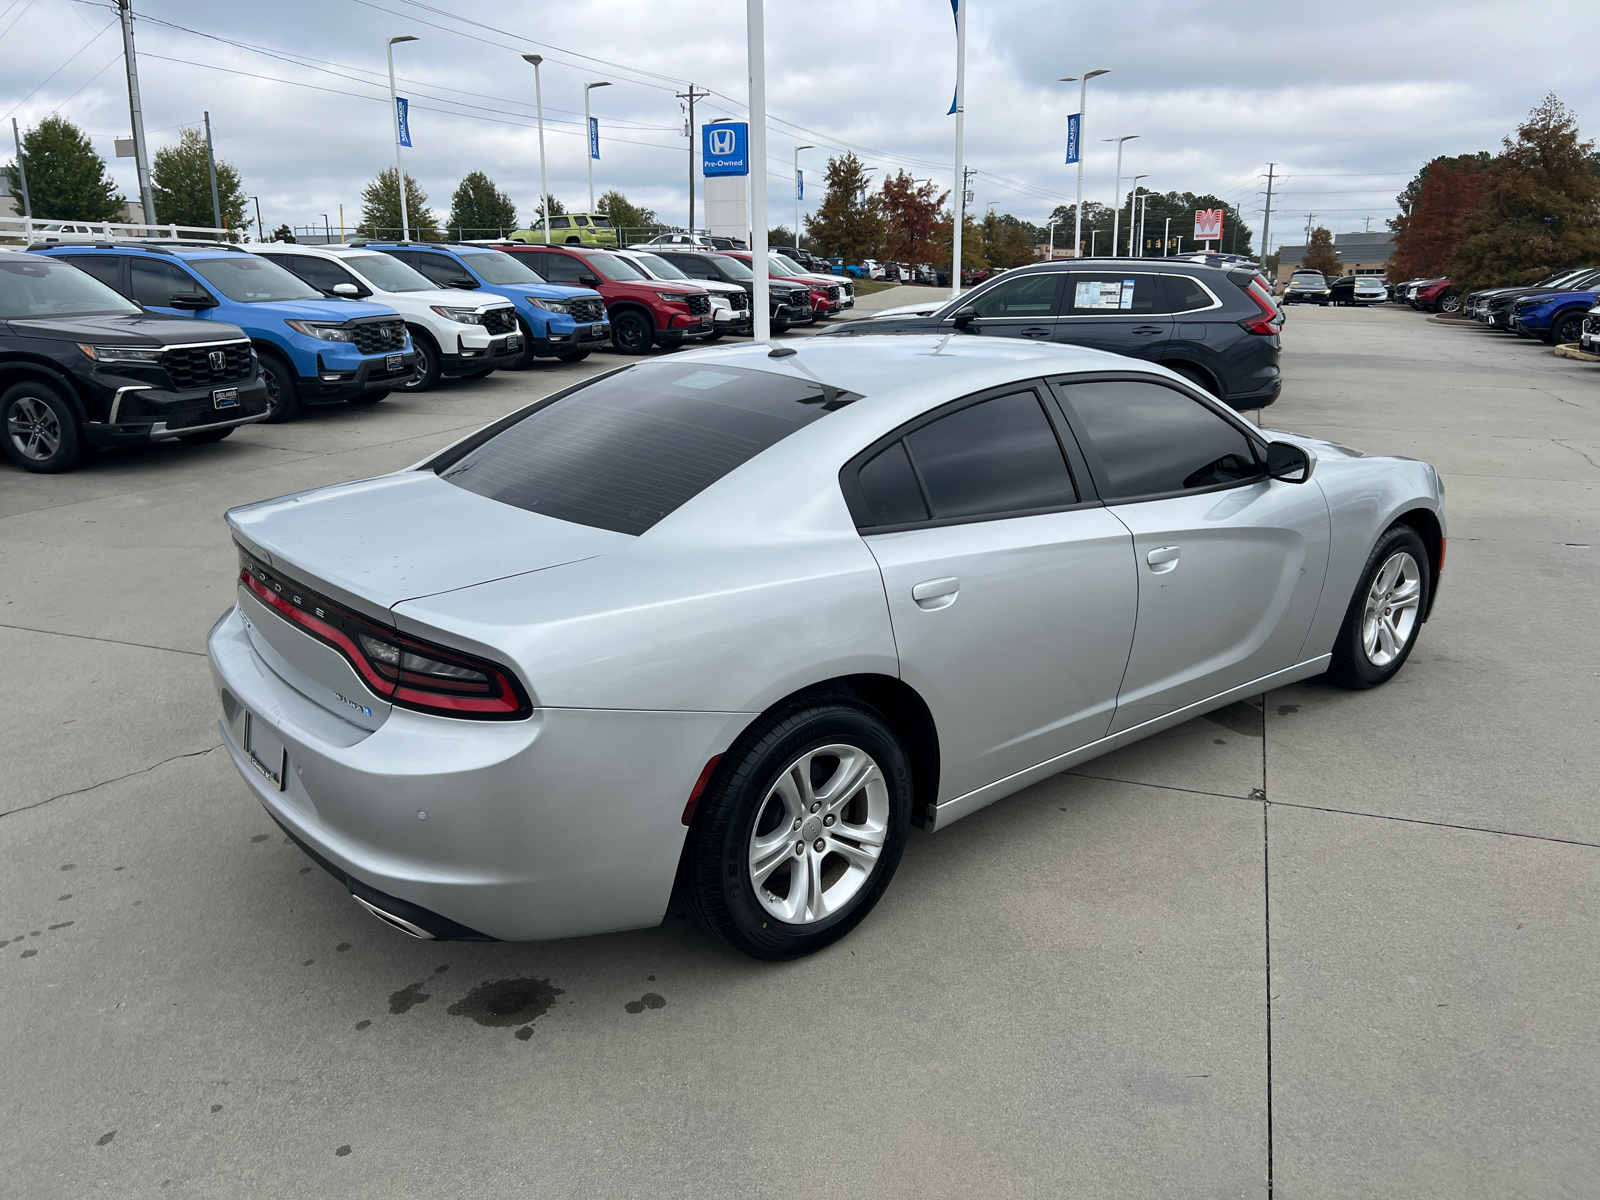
322,631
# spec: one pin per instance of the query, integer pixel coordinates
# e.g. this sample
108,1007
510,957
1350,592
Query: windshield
794,267
624,451
250,280
496,266
735,267
775,267
388,274
660,267
36,287
1310,277
615,269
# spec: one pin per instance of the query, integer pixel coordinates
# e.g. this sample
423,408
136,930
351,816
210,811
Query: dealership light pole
141,154
394,115
797,150
544,187
1133,210
1116,199
1083,104
756,157
591,142
960,215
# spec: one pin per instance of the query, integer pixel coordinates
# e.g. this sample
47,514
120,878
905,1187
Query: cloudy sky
1348,100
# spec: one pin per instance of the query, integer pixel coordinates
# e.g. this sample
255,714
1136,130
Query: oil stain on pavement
408,998
506,1002
648,1000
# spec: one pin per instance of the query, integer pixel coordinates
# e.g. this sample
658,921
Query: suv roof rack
160,245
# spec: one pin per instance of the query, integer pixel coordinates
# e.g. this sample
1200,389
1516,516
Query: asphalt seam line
104,782
1266,922
89,637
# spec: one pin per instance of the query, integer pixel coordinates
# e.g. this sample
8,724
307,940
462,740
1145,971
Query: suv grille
186,415
588,310
833,294
738,301
500,320
190,366
380,337
699,305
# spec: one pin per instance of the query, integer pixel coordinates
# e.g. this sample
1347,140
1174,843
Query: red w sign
1208,225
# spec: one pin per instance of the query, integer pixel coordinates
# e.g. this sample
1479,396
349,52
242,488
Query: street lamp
544,186
1116,198
797,150
1083,103
394,115
1133,201
590,147
1051,226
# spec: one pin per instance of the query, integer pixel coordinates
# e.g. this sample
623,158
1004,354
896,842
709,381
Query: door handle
1037,331
936,593
1163,558
1147,329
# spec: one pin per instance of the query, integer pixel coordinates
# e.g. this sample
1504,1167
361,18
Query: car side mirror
465,283
965,317
1288,462
190,300
588,281
348,290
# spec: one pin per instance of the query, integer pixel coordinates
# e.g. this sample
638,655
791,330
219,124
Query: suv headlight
462,316
327,332
674,297
555,306
121,354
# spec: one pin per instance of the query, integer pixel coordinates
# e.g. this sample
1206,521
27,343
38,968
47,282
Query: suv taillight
1268,320
404,670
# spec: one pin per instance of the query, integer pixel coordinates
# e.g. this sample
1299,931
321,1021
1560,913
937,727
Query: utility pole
141,156
961,150
691,96
211,166
261,234
1310,216
1266,221
22,172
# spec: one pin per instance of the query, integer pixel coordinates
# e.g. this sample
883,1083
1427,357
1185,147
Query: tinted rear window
628,449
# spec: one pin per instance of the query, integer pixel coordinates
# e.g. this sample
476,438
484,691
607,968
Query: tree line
1490,220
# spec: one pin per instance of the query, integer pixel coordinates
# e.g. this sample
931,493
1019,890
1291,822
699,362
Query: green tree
380,209
67,180
1006,241
480,209
1320,254
1540,209
971,242
623,214
180,184
780,235
911,213
849,221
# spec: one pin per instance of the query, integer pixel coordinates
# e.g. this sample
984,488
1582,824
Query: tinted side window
890,486
1110,292
559,268
107,268
1024,296
318,272
154,282
997,456
437,267
1184,294
564,223
1153,439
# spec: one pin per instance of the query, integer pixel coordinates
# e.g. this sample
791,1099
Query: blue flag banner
799,185
955,12
594,137
1073,149
405,120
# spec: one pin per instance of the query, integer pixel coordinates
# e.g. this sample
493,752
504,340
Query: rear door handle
1163,558
936,593
1037,331
1147,329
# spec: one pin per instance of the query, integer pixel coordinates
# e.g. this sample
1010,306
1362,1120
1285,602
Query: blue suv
1553,316
312,350
557,321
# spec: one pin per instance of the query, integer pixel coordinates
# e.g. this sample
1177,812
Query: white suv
455,333
730,303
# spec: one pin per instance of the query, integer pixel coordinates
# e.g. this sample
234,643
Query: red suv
644,312
830,295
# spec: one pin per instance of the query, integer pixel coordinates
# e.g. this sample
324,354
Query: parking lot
1341,941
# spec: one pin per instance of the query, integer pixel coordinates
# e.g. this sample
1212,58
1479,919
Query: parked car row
1555,309
1428,295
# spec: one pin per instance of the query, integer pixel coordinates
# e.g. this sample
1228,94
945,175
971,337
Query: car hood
446,297
133,329
319,310
399,537
908,310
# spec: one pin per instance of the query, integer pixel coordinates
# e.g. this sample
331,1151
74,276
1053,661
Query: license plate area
225,398
266,753
596,329
393,363
514,342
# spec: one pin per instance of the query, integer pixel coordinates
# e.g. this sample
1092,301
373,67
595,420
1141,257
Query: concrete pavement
1140,978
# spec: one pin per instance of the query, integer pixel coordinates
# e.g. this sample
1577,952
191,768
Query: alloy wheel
819,834
34,429
1393,605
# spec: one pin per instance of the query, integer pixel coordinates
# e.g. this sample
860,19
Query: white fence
33,229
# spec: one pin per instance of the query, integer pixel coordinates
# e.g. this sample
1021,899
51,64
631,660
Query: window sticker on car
1127,294
1103,294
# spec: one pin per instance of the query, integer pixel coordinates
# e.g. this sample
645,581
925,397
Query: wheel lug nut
818,845
800,847
816,805
828,820
797,822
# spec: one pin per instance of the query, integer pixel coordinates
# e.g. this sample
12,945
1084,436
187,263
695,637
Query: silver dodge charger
735,620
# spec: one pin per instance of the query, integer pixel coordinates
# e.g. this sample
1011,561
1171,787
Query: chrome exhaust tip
400,923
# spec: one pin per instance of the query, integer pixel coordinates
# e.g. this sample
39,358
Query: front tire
283,391
425,370
800,829
1385,614
1567,329
40,429
631,332
1450,302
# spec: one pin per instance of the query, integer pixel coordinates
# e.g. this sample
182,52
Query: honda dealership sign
723,148
1208,225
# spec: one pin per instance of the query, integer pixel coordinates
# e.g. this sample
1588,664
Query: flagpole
756,157
960,209
1083,120
399,170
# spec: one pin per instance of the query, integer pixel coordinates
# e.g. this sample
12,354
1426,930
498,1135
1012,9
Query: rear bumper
566,824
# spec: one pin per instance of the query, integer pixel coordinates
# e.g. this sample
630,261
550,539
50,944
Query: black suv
82,367
1217,328
788,303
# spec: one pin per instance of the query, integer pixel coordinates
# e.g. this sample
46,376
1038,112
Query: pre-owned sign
723,148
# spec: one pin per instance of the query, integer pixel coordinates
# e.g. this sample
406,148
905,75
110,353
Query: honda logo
721,141
219,360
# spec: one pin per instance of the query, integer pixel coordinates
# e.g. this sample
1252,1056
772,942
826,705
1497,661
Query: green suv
573,229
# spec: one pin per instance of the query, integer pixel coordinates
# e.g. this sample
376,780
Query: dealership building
1359,254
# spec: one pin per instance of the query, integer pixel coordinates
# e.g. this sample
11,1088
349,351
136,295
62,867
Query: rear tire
825,771
40,430
1450,302
283,390
1567,329
206,438
1385,614
631,332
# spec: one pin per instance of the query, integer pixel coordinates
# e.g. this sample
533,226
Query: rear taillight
403,670
1268,320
